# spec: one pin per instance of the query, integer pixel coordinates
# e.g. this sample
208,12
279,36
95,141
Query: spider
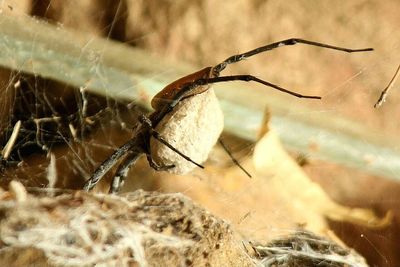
178,97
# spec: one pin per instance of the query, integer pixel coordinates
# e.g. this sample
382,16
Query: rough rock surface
137,229
193,127
142,229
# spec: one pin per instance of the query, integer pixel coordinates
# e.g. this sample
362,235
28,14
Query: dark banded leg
122,172
234,160
156,166
108,164
292,41
185,90
146,121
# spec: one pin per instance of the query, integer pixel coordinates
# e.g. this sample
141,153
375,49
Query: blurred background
177,37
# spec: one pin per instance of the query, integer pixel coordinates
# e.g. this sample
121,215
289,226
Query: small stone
193,128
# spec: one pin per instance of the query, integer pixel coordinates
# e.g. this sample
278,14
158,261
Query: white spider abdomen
193,128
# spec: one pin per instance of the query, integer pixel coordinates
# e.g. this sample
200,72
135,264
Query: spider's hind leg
109,163
158,167
122,172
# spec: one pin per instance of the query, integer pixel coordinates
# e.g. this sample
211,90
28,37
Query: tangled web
44,115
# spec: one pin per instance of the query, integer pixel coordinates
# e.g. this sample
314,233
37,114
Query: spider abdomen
193,128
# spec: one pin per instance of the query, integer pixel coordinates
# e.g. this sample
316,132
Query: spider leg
157,166
109,163
148,123
200,82
122,172
234,160
292,41
157,136
249,78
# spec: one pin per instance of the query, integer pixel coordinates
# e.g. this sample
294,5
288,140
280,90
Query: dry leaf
284,175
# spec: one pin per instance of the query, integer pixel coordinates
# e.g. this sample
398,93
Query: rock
143,229
193,127
136,229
